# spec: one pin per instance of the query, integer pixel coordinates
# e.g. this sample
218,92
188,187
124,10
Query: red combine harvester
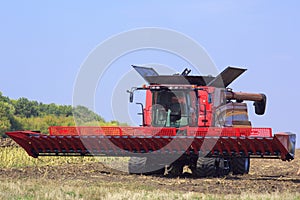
193,121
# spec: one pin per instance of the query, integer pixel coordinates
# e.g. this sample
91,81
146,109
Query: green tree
4,99
6,116
83,115
26,108
66,110
23,114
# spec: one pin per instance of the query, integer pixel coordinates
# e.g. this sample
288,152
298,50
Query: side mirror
130,96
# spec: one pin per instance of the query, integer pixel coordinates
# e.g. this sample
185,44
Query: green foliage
23,114
17,157
4,99
84,116
42,123
26,108
6,116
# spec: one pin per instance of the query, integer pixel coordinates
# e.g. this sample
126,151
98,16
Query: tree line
25,114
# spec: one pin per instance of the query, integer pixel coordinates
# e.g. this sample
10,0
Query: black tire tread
143,165
136,165
238,166
205,167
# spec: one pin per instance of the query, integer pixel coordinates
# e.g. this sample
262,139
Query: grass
80,189
14,157
59,188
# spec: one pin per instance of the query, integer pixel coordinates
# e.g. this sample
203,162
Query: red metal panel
243,146
152,144
33,145
135,144
191,131
63,130
197,143
36,142
260,132
112,131
100,131
39,144
51,144
229,132
76,141
103,142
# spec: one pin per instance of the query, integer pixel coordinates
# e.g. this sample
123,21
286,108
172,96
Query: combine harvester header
186,120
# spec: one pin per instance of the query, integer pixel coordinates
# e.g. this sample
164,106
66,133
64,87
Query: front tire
136,165
144,165
240,166
205,167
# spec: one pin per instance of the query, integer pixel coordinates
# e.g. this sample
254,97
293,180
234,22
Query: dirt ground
7,142
266,176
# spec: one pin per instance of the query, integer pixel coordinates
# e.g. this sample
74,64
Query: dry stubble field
22,177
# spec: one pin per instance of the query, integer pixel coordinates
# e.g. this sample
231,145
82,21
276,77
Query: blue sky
44,43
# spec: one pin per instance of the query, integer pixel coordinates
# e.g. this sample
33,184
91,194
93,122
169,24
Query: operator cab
195,101
172,108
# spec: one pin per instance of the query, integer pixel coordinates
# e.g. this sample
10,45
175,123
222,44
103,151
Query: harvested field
77,179
7,142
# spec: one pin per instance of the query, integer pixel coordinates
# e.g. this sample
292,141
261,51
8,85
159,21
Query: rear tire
144,165
205,167
136,165
240,166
